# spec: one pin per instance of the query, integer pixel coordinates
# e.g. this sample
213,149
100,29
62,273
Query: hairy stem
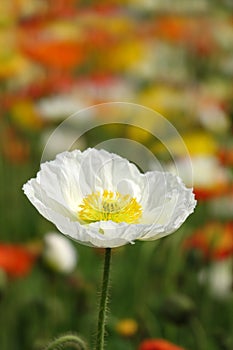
69,339
103,302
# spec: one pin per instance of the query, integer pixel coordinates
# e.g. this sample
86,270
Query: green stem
199,334
69,339
103,302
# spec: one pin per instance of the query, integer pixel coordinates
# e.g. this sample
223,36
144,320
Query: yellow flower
165,100
127,327
126,54
25,114
7,14
11,65
197,143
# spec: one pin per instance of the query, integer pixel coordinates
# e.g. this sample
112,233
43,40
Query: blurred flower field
57,58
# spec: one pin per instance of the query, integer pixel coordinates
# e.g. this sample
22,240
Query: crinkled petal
43,203
73,175
104,170
167,203
109,234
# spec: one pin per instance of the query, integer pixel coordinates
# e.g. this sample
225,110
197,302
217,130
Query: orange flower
158,344
56,54
175,28
188,31
16,260
102,9
62,7
214,240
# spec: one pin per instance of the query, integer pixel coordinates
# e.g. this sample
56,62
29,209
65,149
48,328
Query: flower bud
59,253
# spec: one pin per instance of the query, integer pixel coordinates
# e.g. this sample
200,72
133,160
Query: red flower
214,240
226,156
212,192
16,260
158,344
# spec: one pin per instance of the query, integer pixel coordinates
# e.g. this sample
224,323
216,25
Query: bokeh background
176,57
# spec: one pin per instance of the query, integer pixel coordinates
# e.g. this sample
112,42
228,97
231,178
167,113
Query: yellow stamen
110,206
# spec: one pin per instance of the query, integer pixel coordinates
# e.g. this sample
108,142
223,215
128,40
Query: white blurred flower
106,88
59,106
213,118
223,33
161,61
162,5
100,199
219,277
207,172
59,253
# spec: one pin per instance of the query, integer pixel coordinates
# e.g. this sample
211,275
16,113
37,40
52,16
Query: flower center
109,206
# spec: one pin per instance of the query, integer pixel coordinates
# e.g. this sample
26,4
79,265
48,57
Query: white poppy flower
59,253
218,276
207,171
56,107
100,199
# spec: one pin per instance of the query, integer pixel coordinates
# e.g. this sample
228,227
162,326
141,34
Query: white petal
59,180
74,175
168,203
108,171
111,234
43,203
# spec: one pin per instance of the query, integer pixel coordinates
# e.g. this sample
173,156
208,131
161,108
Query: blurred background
176,57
